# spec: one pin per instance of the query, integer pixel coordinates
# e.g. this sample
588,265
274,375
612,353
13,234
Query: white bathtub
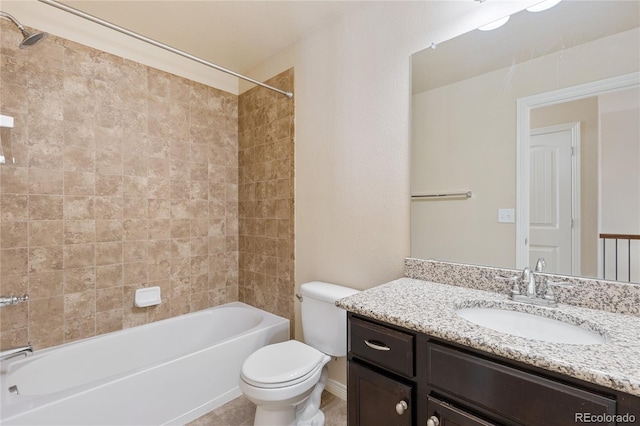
167,372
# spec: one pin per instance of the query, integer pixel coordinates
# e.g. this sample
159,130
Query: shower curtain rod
158,44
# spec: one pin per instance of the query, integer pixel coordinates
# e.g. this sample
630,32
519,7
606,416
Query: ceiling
526,36
234,34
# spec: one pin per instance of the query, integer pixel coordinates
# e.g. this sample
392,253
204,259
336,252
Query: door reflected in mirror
582,151
583,179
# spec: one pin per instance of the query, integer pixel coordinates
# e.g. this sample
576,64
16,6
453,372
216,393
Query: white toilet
285,380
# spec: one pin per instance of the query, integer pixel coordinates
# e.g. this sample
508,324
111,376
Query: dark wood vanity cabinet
443,384
381,389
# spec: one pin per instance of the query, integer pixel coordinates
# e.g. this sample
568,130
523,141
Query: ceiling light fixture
495,24
544,5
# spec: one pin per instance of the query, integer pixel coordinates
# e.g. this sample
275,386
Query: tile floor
240,412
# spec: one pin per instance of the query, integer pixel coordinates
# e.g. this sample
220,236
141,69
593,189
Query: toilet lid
281,363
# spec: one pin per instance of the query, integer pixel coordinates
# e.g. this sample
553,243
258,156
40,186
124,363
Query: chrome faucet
541,265
10,353
528,281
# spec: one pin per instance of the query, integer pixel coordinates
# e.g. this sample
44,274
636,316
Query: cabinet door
443,414
378,400
519,396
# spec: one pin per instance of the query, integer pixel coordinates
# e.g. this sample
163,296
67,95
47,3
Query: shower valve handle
13,300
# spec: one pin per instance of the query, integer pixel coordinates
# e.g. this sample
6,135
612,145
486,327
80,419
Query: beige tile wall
266,209
124,177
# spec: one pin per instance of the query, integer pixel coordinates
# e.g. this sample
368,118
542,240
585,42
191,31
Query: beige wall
469,140
124,177
620,155
464,140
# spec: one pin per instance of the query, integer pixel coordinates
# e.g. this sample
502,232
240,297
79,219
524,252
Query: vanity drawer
521,397
383,346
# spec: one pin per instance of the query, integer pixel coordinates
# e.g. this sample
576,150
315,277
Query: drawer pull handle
401,407
377,345
433,421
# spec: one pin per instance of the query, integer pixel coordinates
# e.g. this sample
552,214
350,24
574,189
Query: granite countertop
429,308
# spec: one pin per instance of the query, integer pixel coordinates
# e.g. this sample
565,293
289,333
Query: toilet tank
324,324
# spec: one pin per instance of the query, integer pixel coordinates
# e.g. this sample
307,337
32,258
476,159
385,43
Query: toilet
285,380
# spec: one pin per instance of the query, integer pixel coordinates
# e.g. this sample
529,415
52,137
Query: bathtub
167,372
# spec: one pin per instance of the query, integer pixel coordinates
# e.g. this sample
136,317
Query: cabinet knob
401,406
433,421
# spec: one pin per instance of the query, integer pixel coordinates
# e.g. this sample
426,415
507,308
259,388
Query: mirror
481,103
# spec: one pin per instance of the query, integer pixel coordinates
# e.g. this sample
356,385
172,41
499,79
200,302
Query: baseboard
337,388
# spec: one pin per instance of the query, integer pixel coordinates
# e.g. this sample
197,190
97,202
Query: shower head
29,38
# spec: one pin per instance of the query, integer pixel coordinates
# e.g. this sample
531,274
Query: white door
552,198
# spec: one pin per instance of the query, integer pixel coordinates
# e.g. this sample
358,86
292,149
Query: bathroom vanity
414,361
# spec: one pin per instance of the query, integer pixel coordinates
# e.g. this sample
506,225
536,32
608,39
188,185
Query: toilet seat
282,365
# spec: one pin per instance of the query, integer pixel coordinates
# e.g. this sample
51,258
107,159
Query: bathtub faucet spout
10,353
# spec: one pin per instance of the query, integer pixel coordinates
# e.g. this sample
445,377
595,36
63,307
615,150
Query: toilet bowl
279,378
285,380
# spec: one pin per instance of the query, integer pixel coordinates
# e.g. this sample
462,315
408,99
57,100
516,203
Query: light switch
506,216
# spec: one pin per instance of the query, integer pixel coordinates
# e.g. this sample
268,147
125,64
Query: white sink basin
530,326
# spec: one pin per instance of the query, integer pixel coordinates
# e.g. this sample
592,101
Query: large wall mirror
526,143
